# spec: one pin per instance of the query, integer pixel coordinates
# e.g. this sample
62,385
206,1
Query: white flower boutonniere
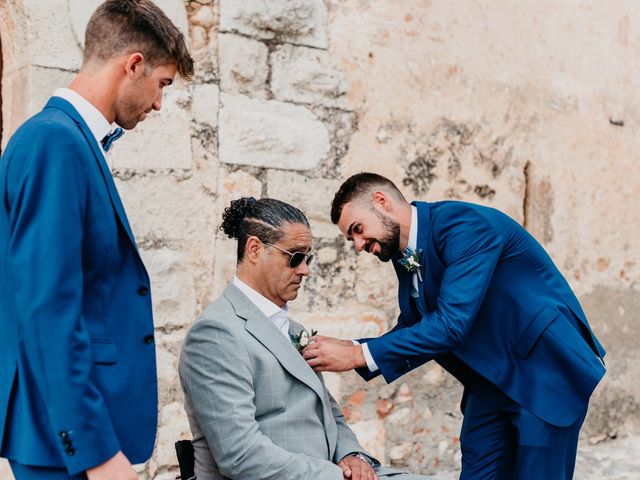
411,261
303,339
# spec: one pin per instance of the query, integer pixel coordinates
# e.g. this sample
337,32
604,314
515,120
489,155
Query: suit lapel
424,218
56,102
404,287
272,339
330,428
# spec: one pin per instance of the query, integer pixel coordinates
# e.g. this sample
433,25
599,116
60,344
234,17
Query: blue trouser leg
487,439
544,451
29,472
502,441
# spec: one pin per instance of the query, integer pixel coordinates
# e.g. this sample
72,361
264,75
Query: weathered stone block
294,188
205,17
169,389
161,210
173,289
51,40
307,75
399,454
173,426
270,134
358,324
371,435
160,143
80,12
243,65
234,185
205,102
31,88
322,229
295,21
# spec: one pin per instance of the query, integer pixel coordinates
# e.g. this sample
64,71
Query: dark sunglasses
296,257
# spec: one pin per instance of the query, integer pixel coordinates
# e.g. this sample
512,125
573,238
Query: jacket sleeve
216,374
47,191
470,248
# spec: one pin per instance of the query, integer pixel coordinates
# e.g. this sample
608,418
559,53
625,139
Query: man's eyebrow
299,248
349,230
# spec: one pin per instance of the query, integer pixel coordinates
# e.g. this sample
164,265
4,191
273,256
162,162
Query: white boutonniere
412,261
303,339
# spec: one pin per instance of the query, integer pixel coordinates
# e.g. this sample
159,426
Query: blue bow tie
108,139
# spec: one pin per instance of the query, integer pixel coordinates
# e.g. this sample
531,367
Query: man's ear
134,65
252,249
382,201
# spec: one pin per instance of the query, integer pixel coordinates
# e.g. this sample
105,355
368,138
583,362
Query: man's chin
294,294
127,124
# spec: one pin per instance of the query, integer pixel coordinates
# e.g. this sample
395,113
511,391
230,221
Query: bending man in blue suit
480,296
78,394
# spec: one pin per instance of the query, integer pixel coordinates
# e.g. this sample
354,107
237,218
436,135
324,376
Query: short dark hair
356,187
263,218
125,26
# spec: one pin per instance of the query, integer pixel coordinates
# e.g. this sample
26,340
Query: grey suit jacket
256,409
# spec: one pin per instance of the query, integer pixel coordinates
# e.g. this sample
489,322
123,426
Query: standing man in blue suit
78,393
480,296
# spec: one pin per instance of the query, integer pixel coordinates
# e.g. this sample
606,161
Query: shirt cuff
371,364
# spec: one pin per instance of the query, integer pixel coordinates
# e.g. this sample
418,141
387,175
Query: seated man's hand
327,354
356,469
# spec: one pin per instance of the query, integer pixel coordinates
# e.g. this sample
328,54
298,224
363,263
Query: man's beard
390,242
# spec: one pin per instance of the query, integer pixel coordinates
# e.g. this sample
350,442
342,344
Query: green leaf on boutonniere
303,339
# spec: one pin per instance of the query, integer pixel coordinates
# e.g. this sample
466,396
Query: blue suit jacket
77,358
493,300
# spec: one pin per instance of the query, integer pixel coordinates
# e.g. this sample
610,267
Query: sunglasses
296,257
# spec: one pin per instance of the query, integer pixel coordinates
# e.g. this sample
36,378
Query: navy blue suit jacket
77,358
492,300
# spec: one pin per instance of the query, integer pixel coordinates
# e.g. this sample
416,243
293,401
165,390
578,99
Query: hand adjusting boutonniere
303,339
411,261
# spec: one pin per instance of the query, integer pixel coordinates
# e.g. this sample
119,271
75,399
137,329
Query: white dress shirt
94,119
412,243
272,311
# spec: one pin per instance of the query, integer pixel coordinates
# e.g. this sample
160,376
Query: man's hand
327,354
116,468
356,469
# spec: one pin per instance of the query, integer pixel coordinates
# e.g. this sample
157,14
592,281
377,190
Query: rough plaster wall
508,105
513,105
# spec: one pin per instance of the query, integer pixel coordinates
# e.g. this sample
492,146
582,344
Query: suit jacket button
71,452
142,291
148,339
64,435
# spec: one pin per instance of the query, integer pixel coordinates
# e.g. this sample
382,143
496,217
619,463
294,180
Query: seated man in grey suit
256,409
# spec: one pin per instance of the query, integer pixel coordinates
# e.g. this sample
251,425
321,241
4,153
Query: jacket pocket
104,352
528,339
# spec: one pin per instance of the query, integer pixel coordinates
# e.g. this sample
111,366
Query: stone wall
527,107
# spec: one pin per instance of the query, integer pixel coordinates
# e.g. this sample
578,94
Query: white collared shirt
412,243
279,316
94,119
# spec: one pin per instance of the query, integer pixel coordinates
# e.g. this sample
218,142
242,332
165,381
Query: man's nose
359,243
303,269
157,105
